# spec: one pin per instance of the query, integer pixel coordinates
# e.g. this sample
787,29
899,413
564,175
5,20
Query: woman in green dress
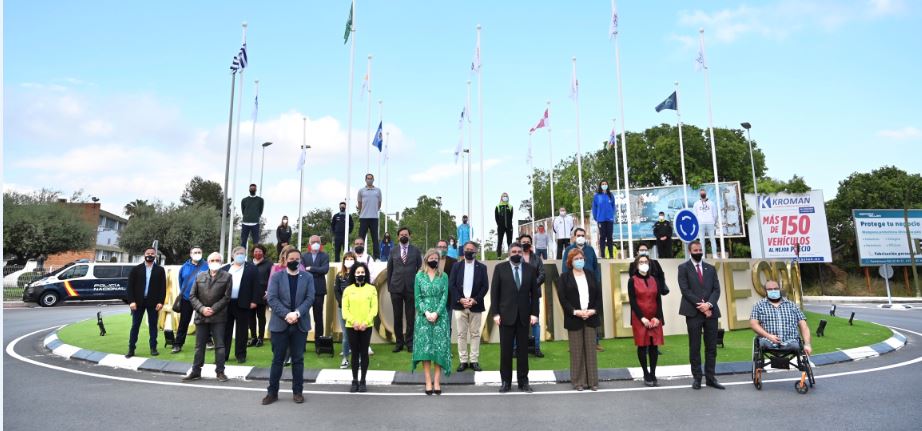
432,330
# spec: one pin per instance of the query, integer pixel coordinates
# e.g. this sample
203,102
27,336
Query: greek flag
240,60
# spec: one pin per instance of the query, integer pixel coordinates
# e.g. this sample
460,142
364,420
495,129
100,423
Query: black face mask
360,279
469,255
293,265
516,259
526,247
697,256
432,263
404,240
149,258
360,249
342,209
252,192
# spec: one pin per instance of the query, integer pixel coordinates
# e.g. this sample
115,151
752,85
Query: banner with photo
788,220
881,236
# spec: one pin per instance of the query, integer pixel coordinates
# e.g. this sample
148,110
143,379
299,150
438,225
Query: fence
16,277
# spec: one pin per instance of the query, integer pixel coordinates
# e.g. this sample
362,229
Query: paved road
856,395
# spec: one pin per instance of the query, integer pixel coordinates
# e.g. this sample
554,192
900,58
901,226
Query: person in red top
646,316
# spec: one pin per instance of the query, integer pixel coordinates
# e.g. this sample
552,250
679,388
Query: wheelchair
782,359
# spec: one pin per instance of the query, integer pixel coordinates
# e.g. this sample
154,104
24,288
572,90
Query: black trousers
403,304
518,333
258,322
152,317
366,225
185,317
696,325
664,248
338,246
500,231
606,242
238,321
317,309
249,231
205,332
358,344
562,245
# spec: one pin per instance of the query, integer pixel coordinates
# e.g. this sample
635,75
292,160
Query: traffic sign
686,225
886,271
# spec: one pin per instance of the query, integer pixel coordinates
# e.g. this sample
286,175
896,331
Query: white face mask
505,198
214,266
196,257
661,218
315,246
348,263
563,213
643,268
580,240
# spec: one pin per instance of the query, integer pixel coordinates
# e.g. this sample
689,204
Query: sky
129,100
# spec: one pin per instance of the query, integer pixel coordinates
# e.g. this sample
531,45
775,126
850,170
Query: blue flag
379,138
669,103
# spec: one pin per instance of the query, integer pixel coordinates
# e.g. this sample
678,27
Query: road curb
53,344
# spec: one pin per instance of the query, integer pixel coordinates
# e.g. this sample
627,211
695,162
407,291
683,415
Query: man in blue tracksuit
187,274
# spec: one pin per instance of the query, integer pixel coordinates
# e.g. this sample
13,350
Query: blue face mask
579,263
240,258
774,295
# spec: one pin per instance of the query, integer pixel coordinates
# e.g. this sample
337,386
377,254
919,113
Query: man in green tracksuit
503,214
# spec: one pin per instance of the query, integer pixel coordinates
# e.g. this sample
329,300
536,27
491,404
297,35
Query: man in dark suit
338,229
209,297
514,307
700,292
467,287
146,293
290,296
258,318
317,263
402,266
242,303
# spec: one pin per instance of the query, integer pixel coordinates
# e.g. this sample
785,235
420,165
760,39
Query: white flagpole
470,160
579,157
531,174
707,87
387,178
463,165
349,131
381,151
233,185
381,120
301,181
483,217
618,188
253,136
681,144
550,151
230,123
368,125
627,186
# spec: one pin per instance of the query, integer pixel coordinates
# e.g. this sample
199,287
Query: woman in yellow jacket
360,306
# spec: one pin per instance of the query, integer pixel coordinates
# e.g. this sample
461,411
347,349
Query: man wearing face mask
338,228
369,205
514,307
591,263
210,296
190,269
563,230
467,288
146,294
317,263
503,216
446,262
464,231
358,247
662,230
530,258
776,321
242,303
700,293
405,260
706,211
252,209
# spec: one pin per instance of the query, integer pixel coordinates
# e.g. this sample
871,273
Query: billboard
646,203
881,236
788,219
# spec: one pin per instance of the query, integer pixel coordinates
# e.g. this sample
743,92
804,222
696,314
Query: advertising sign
786,221
881,236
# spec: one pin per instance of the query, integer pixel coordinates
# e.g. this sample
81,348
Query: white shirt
583,287
563,226
468,278
364,258
706,211
236,275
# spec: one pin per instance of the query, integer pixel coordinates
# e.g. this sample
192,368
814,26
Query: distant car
78,281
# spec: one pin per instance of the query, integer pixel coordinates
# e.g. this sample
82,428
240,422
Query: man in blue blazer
317,263
467,287
290,295
700,293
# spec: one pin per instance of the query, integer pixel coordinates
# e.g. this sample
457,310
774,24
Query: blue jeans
342,324
541,252
136,317
246,231
294,341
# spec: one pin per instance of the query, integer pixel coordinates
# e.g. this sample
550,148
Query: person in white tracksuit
706,211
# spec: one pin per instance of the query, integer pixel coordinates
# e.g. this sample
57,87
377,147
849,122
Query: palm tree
138,207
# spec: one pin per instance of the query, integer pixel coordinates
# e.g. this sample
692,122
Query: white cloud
440,172
904,134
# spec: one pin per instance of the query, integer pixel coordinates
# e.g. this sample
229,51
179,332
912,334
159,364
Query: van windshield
58,271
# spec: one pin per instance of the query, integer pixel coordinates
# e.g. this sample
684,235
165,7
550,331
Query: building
106,247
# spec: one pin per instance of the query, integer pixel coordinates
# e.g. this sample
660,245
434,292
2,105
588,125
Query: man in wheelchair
777,320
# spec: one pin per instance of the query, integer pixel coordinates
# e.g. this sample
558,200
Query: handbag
177,307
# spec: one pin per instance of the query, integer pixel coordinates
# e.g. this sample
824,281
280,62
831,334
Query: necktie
403,254
700,276
518,281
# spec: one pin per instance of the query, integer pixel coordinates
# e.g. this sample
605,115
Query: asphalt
878,393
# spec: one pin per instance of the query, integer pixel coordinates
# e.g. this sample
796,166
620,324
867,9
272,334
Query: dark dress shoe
154,352
298,398
428,392
259,342
129,354
475,366
461,367
192,377
539,354
525,387
241,360
696,384
437,391
269,399
176,349
648,382
355,387
398,348
362,387
714,384
221,377
505,387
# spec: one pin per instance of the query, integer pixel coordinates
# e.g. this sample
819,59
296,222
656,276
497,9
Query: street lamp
440,216
427,234
262,167
755,186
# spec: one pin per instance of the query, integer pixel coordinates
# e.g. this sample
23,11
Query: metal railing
17,277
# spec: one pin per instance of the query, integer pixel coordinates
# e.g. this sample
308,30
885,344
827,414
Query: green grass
618,352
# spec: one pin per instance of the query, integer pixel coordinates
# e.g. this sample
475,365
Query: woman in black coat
580,296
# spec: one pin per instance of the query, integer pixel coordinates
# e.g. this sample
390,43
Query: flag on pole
475,65
461,120
543,122
348,25
458,149
669,103
613,27
699,61
302,158
255,107
612,139
366,87
240,60
574,86
378,142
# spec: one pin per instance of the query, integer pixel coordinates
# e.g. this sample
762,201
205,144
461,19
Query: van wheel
48,299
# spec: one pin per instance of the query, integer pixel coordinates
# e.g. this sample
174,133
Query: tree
33,226
795,185
139,208
202,192
317,222
426,212
177,229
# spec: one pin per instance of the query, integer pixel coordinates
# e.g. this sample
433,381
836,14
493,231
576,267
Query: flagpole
707,87
233,185
614,125
579,155
627,186
253,140
381,121
550,151
230,123
301,181
483,218
681,144
470,139
531,174
368,125
387,178
349,128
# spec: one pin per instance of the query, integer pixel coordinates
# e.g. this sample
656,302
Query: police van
80,280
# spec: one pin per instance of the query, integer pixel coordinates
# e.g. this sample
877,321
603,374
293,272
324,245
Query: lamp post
427,235
262,167
755,187
304,148
439,198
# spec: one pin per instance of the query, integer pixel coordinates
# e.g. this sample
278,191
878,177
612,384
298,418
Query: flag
366,87
574,86
461,120
235,65
348,25
255,107
475,65
611,139
699,61
302,159
458,148
543,122
613,27
378,142
240,60
669,103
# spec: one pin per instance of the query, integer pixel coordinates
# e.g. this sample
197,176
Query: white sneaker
344,364
370,352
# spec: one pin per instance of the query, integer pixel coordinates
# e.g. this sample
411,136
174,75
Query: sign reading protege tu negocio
881,236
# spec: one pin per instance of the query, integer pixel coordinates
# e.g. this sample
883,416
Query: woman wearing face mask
452,248
603,211
503,216
360,306
282,235
432,343
386,246
339,286
646,316
656,270
580,296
